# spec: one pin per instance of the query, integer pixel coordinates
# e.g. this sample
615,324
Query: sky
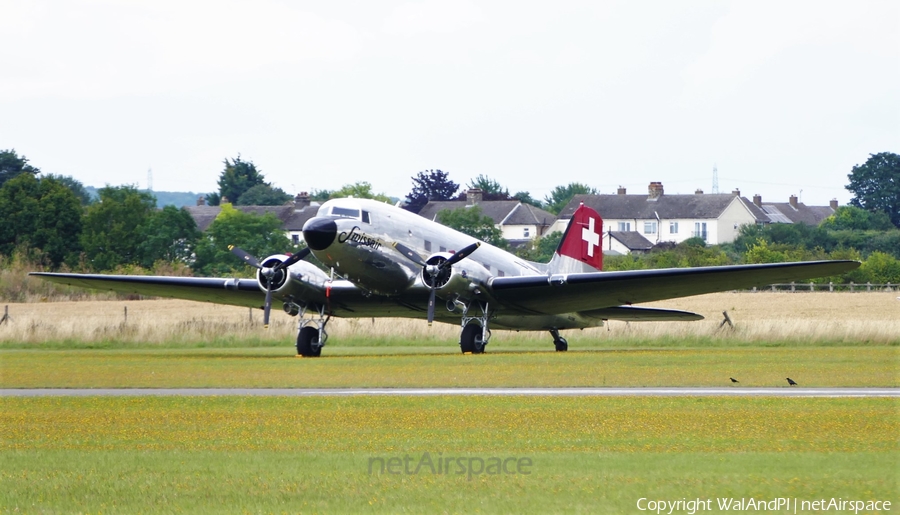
780,97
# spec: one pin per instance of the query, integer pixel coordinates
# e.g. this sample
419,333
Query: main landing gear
558,341
475,333
311,335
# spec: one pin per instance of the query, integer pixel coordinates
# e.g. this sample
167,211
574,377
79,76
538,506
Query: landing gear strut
475,333
561,344
311,338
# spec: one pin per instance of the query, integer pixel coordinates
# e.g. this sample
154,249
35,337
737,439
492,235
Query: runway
533,392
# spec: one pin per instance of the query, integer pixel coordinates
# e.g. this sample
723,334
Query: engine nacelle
293,282
463,281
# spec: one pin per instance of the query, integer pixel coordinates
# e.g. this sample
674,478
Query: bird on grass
791,382
733,380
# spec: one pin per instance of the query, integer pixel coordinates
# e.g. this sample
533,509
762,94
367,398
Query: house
794,212
518,222
657,217
626,242
292,215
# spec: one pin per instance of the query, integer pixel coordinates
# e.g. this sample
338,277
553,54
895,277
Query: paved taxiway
339,392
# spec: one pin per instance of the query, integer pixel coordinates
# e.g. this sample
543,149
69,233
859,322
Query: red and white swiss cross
582,240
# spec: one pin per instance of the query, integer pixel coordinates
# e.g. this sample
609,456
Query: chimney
757,199
656,190
698,191
736,192
301,200
620,191
224,200
793,201
474,196
833,204
201,200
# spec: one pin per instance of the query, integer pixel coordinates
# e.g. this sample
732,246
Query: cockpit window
365,217
345,212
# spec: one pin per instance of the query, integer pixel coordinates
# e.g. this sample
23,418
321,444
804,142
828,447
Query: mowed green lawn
445,366
569,454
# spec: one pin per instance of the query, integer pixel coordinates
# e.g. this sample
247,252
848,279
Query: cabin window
487,266
427,246
624,226
501,273
365,217
345,212
673,227
443,248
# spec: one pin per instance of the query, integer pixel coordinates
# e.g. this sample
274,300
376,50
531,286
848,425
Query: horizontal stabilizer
638,314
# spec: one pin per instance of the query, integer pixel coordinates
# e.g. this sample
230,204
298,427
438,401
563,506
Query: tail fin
580,249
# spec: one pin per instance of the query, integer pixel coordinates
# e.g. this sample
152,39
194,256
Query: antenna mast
715,188
149,179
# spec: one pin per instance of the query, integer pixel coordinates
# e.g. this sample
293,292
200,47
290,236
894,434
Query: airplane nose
319,233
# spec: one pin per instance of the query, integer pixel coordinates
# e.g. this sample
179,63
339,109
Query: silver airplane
393,263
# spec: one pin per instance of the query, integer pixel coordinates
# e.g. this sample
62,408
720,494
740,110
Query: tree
491,189
359,189
542,248
237,177
41,214
876,185
526,198
11,165
263,195
851,218
73,184
470,220
169,234
260,236
429,185
115,226
561,195
320,195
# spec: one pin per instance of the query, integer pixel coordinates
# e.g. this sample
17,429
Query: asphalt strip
535,392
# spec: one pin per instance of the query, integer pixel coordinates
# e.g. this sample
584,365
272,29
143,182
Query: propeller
268,273
435,271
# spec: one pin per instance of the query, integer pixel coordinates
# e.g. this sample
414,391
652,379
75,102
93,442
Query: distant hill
163,198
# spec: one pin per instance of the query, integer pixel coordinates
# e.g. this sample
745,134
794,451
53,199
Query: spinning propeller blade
302,253
250,260
460,255
431,306
410,254
269,273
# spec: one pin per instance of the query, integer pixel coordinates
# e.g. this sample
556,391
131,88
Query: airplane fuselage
357,238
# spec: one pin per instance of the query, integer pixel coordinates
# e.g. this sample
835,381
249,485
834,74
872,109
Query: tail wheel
308,342
472,338
561,344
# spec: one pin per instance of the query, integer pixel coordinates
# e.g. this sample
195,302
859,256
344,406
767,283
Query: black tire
305,339
471,339
561,345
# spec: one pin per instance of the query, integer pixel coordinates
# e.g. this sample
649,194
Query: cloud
89,48
432,17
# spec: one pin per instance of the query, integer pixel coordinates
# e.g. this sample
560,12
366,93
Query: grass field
445,366
761,318
313,455
289,455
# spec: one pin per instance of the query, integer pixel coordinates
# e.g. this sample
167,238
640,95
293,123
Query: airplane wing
235,292
567,293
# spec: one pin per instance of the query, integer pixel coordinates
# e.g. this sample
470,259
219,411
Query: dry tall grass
764,317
